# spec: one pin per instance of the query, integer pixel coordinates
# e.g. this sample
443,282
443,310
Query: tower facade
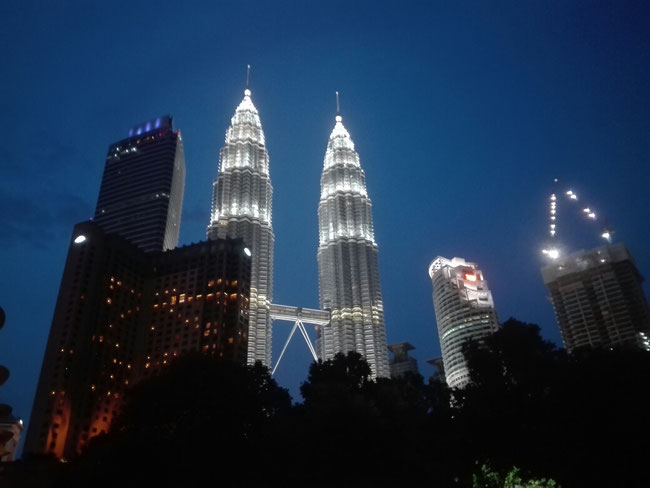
141,195
348,270
241,208
464,310
598,299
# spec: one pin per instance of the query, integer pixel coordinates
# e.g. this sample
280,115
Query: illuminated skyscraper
598,299
141,196
241,208
348,270
464,310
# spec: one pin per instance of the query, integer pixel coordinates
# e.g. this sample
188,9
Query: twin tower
348,269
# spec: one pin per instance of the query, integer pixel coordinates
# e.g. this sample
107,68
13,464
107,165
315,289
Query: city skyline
461,137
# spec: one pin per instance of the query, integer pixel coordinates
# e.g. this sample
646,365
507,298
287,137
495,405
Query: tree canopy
562,420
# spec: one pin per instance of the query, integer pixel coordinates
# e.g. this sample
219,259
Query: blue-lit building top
141,194
164,122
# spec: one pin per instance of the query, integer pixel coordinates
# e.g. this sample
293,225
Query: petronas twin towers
347,253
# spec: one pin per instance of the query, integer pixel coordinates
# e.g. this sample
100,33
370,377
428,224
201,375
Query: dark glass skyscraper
141,196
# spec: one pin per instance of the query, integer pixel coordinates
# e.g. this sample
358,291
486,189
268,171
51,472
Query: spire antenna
248,76
338,105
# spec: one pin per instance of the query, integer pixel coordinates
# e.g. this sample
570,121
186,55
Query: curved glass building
464,310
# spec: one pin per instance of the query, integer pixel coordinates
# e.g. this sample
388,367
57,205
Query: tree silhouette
531,405
200,420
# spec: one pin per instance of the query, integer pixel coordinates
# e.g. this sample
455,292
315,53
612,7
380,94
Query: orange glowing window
181,298
470,277
210,283
173,300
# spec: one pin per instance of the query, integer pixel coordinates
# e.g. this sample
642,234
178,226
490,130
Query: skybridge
299,316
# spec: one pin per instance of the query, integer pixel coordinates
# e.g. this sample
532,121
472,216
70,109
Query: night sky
462,114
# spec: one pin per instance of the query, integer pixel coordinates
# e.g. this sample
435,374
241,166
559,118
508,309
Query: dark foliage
201,420
581,420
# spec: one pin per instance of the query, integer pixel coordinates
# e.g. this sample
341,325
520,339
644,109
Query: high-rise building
464,310
141,195
598,299
401,362
123,314
241,208
348,271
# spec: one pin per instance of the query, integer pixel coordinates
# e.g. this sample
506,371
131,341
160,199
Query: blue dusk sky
462,114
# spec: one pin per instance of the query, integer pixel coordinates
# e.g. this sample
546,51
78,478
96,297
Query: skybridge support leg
293,329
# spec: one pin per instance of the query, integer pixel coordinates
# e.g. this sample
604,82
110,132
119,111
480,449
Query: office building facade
121,315
464,311
141,194
348,269
598,299
241,208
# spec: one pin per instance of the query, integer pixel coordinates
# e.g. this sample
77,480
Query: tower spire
247,91
338,105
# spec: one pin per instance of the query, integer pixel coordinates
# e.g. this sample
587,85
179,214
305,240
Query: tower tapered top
340,148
